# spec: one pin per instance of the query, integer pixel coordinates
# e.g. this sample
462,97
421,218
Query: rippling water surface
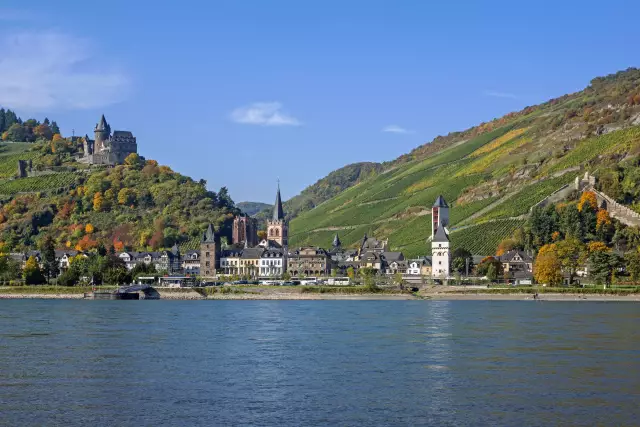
307,363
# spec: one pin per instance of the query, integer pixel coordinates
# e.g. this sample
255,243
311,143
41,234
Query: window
206,254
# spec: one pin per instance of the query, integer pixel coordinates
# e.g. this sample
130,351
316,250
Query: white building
440,245
273,263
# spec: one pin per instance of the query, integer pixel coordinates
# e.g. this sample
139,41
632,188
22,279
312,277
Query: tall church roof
209,235
278,213
336,241
441,235
440,202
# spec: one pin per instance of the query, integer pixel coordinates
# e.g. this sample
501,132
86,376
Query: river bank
281,294
448,293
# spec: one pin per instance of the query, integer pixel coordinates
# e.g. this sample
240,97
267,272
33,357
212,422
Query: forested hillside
252,208
136,206
491,174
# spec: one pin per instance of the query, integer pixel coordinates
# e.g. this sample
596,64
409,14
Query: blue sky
242,93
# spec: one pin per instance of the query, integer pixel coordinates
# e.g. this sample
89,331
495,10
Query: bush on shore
549,290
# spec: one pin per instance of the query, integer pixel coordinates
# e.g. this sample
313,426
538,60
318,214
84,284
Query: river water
319,363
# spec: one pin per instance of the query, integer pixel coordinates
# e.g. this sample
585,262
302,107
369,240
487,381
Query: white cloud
396,129
264,114
41,71
496,94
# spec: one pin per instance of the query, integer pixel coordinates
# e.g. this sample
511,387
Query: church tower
440,254
277,227
102,133
439,215
209,249
440,244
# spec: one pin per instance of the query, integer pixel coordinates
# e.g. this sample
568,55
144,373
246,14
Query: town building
164,261
106,148
250,262
309,261
277,226
516,260
371,245
273,263
230,261
419,267
245,230
209,249
517,266
191,263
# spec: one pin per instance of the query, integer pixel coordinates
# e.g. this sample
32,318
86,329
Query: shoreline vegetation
338,293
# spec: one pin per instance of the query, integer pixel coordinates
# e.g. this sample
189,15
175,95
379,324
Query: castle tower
440,254
439,215
277,227
245,231
102,133
209,249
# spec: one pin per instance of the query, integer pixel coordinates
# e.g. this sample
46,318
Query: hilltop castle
108,149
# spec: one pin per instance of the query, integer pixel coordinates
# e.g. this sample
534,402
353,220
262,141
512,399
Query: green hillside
252,208
326,188
491,175
137,206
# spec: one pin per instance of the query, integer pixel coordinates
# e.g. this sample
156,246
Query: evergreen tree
572,222
589,221
46,121
54,128
459,260
49,263
604,265
2,127
10,118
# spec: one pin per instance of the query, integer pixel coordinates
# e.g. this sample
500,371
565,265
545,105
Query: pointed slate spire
175,249
278,213
102,125
441,235
440,202
209,235
336,241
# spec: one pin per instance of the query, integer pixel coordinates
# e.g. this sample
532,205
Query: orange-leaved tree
547,267
588,198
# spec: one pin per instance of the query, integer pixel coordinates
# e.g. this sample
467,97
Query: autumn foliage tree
588,198
548,268
98,202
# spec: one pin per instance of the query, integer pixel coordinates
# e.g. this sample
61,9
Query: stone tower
439,215
208,253
440,254
277,227
102,133
245,231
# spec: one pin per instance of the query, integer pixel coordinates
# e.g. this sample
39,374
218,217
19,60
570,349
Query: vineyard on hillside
483,239
39,183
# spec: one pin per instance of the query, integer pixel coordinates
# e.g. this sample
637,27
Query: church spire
336,241
278,213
